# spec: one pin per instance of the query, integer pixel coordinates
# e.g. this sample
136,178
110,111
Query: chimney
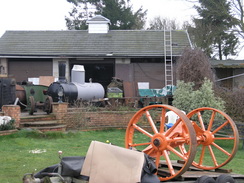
61,70
98,24
78,74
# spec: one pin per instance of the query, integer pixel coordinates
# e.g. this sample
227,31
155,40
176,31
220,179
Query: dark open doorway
99,72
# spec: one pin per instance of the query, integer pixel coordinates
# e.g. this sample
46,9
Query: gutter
188,36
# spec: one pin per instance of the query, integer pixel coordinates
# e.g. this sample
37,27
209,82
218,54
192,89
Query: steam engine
77,89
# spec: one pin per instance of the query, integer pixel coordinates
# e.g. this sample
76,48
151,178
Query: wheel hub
159,142
208,138
156,142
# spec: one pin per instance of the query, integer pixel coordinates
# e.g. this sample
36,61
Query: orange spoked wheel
146,132
217,138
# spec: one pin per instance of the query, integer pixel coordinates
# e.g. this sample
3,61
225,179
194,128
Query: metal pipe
230,77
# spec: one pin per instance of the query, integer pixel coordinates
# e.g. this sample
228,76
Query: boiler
75,90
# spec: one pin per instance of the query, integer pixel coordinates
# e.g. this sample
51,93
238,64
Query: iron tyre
224,178
205,179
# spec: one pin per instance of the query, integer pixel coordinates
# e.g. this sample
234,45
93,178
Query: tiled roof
77,43
98,18
227,63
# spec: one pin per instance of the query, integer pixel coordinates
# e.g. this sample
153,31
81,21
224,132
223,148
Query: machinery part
32,105
70,91
29,178
20,93
162,144
224,178
7,91
205,179
48,105
214,129
31,96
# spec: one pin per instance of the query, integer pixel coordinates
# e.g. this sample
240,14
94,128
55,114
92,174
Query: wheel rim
32,105
166,146
48,105
217,138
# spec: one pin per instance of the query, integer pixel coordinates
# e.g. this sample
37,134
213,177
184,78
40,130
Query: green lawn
17,157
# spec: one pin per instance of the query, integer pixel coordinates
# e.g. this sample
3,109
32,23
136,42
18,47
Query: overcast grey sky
49,14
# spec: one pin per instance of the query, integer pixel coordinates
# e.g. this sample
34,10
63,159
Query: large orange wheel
217,138
146,132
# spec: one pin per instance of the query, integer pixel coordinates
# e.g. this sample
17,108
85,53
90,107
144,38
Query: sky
50,14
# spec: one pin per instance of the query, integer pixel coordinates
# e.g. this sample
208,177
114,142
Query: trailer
195,148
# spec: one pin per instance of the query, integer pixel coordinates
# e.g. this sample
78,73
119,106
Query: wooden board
194,173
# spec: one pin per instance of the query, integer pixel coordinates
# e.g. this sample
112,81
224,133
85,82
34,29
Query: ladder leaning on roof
168,63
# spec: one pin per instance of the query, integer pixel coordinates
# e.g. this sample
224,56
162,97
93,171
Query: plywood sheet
46,80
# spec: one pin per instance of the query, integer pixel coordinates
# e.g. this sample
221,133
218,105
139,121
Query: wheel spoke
157,158
142,130
177,153
200,120
212,155
202,155
183,149
152,124
220,127
221,149
162,120
224,138
169,164
148,150
140,144
211,120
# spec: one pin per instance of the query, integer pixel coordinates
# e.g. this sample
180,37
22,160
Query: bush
234,102
8,126
187,99
183,95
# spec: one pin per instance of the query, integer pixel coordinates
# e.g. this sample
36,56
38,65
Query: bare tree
194,66
161,23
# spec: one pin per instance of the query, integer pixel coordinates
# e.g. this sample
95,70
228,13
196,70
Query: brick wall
13,111
83,120
60,110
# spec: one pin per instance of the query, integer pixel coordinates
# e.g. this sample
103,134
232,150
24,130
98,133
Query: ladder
168,59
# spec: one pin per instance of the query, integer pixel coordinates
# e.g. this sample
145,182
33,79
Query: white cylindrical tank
89,91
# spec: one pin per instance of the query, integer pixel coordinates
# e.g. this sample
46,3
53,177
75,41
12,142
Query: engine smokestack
61,71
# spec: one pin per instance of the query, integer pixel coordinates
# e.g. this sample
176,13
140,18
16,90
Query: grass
17,157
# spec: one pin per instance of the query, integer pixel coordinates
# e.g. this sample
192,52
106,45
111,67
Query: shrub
183,95
7,126
187,99
234,102
205,97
